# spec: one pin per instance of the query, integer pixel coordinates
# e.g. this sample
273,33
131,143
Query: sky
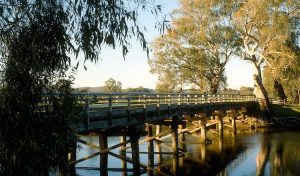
133,71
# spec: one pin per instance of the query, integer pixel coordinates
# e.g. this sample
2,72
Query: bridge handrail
149,99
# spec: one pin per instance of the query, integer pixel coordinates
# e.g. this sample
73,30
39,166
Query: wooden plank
149,138
164,153
211,123
97,147
108,169
227,125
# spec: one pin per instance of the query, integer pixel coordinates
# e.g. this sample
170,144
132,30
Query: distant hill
90,89
101,89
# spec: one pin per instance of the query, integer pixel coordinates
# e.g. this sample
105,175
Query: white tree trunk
261,94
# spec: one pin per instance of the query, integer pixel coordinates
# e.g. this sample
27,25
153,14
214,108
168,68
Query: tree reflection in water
255,153
267,153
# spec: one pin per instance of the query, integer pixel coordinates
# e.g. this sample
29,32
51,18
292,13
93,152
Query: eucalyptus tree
197,47
37,40
112,85
290,76
263,27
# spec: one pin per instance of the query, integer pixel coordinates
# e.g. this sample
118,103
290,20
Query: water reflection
263,153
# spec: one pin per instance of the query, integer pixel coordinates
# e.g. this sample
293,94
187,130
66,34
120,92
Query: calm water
255,153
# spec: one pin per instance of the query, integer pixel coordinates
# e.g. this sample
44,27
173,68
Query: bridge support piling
182,135
202,123
72,157
233,122
174,132
104,156
134,137
175,146
158,130
123,154
150,149
220,124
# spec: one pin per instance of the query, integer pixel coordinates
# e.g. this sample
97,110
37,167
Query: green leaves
197,47
112,85
88,24
37,40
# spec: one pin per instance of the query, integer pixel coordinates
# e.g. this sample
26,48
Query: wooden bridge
135,114
107,111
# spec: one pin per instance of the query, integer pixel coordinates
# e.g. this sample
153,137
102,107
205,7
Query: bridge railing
132,100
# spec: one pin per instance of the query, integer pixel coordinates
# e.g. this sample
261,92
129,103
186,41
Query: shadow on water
255,153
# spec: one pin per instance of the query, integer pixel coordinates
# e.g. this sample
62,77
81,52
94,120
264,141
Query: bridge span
107,111
132,115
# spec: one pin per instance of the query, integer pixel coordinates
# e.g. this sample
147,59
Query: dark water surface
248,153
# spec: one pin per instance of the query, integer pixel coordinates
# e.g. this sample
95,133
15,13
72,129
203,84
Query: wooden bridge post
134,137
175,147
129,108
188,105
158,107
103,157
179,105
233,122
158,130
145,107
174,131
219,119
110,110
196,103
169,106
150,149
202,123
181,135
72,157
87,105
123,154
232,116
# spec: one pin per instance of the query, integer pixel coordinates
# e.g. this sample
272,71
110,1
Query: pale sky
134,70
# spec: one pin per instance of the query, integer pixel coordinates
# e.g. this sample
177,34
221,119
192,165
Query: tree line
113,86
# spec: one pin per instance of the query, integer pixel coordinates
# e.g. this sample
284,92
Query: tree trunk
280,92
214,86
262,95
296,96
214,89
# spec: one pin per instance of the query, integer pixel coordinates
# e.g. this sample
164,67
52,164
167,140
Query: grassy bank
286,111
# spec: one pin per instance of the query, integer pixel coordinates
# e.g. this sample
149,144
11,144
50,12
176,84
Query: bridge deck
106,111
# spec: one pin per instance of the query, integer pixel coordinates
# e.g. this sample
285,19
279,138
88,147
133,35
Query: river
245,153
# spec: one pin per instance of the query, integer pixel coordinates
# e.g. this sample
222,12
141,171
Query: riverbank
287,116
286,111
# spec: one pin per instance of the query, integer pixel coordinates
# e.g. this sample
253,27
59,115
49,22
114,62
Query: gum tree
197,47
263,27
